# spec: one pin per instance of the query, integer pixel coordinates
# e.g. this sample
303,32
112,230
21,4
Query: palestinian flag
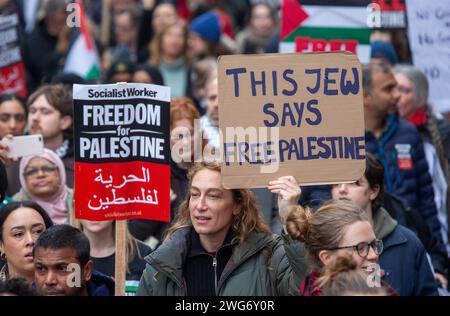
325,25
82,57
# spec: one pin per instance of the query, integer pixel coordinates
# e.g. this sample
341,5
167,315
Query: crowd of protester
385,234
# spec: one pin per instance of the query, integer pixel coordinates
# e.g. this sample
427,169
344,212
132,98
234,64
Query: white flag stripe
80,59
336,16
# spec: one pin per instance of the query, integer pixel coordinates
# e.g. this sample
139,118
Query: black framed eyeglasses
363,247
31,172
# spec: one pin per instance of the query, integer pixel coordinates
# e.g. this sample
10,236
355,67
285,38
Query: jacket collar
390,129
246,249
100,285
196,247
171,255
383,223
391,126
385,226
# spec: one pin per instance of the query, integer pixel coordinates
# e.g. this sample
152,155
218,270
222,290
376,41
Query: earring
3,256
3,276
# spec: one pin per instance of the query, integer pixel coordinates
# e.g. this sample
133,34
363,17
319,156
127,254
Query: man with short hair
50,114
397,144
63,266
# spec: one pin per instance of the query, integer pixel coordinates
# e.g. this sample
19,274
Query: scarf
309,286
55,205
419,118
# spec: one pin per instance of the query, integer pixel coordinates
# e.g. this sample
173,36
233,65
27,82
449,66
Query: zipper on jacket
223,277
216,281
215,273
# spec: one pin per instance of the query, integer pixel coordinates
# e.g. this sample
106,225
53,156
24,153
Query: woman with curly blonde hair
343,277
219,245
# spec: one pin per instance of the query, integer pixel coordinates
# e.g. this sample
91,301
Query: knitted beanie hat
207,26
381,49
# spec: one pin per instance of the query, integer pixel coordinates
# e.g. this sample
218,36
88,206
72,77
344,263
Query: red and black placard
122,152
12,70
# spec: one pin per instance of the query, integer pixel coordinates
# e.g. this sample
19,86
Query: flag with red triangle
325,25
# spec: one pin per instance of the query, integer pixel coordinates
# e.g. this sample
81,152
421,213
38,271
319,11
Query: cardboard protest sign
291,114
12,70
429,38
122,152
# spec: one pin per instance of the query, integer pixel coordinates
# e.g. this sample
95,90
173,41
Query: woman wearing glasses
335,229
43,180
403,260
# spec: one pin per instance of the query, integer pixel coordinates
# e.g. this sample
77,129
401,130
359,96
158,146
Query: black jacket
41,58
202,270
100,285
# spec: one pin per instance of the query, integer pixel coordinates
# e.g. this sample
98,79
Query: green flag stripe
94,73
131,288
362,35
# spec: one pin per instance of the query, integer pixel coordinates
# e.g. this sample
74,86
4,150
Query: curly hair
247,221
17,287
342,277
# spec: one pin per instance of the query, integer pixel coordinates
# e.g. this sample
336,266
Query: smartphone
27,145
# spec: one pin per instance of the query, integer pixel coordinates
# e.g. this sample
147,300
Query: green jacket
260,266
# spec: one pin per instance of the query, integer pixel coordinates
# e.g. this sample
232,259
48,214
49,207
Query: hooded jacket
262,265
400,150
403,260
411,219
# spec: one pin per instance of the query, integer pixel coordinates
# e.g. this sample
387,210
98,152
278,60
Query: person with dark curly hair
17,287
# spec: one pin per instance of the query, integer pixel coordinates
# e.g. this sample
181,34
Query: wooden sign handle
106,20
121,260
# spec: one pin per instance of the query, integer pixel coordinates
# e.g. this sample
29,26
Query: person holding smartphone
51,115
13,118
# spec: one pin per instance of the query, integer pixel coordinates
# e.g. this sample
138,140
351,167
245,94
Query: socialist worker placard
122,152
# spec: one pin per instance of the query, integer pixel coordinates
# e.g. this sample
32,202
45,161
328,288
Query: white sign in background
429,38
